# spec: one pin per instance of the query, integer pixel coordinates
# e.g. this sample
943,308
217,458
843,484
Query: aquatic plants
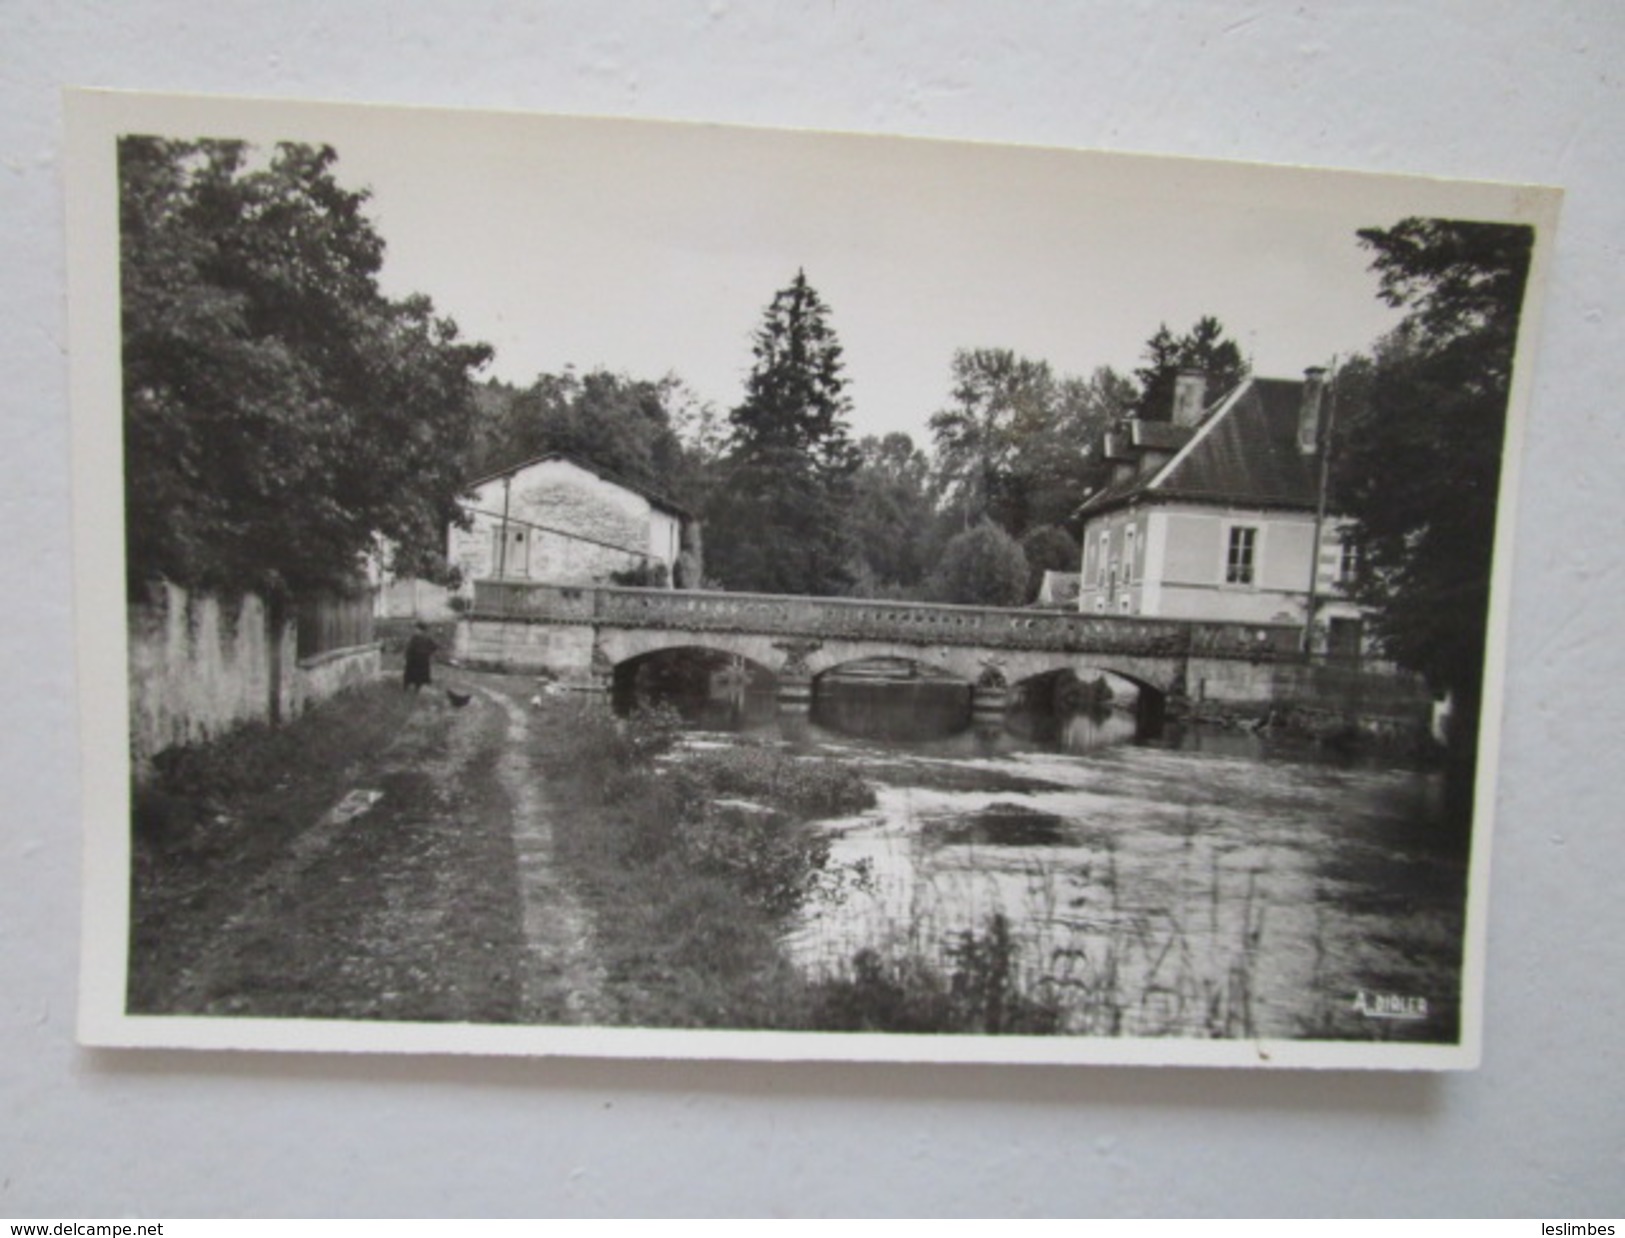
692,861
981,990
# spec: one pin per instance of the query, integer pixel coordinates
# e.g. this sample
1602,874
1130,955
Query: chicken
458,699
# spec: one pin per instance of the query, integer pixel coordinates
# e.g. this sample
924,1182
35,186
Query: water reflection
887,708
1210,882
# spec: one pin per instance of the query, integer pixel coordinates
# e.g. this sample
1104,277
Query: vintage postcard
602,587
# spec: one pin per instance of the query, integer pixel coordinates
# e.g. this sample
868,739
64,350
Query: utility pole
502,548
1313,603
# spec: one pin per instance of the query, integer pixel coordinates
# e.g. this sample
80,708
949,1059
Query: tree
280,414
1016,444
702,436
890,516
1055,467
999,400
618,423
1204,347
1048,548
982,566
1417,458
777,523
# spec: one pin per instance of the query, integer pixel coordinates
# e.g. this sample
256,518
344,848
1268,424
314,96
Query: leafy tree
620,424
890,516
1048,549
777,522
981,566
1017,442
1204,347
1059,463
279,412
493,404
1417,458
999,401
702,434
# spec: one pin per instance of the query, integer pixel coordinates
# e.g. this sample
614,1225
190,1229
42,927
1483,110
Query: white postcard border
93,121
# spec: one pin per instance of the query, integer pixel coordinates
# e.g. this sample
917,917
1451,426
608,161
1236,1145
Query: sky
651,248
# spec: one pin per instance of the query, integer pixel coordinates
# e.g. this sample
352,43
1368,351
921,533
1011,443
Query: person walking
419,656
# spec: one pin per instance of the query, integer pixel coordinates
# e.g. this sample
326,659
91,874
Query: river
1212,882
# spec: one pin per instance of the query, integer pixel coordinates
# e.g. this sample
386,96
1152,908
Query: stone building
1218,514
558,520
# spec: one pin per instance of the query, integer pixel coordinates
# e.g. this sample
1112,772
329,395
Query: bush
761,845
600,752
1049,548
773,861
983,566
646,575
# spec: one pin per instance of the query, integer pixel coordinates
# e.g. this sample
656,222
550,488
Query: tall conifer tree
778,523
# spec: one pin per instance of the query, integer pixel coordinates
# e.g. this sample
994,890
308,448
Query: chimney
1190,396
1314,391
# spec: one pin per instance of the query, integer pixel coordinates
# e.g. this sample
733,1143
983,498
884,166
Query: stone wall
1313,699
412,599
559,649
200,665
328,674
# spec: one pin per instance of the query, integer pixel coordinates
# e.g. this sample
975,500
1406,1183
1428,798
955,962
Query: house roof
1159,435
1244,453
655,497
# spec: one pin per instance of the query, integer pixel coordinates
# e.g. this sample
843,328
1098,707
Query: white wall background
1527,91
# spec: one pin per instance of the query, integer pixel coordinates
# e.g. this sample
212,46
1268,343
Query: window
509,559
1343,640
1100,560
1348,562
1239,562
1128,555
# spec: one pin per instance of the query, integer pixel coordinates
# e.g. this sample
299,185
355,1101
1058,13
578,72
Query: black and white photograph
552,585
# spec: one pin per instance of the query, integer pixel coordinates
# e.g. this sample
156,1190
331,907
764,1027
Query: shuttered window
1239,566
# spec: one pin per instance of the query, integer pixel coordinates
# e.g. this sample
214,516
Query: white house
1218,514
560,520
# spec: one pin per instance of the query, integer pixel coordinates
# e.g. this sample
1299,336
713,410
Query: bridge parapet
908,623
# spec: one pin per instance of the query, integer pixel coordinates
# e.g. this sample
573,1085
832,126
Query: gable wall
564,524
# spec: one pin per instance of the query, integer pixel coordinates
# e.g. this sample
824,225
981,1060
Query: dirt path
392,859
561,980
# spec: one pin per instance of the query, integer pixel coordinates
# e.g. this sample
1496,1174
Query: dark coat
419,653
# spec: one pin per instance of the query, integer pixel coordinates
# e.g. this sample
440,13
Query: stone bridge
583,634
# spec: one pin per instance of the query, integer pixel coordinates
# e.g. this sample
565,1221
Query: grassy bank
687,896
693,863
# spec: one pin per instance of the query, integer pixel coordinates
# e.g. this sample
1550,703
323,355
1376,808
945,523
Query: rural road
386,857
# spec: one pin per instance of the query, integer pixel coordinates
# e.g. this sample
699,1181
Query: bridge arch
806,659
797,665
705,673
